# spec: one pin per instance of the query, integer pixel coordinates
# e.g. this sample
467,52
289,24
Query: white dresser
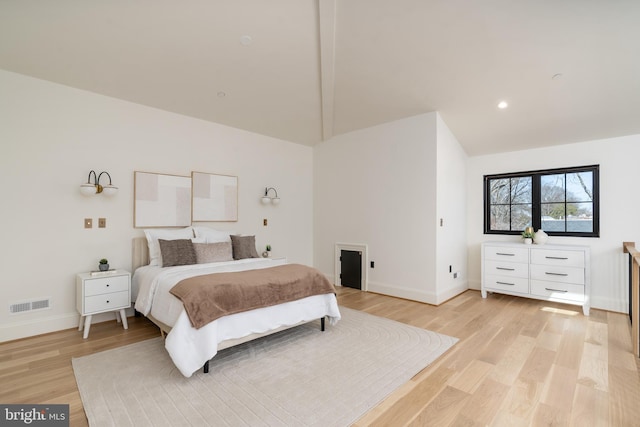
101,293
559,273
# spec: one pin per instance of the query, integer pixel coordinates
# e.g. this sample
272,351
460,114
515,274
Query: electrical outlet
373,264
455,275
102,222
264,222
88,223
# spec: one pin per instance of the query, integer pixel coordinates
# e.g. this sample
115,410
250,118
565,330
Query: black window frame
536,200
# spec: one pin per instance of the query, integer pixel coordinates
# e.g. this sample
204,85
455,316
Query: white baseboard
44,325
417,295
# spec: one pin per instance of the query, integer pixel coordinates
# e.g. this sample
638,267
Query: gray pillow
213,252
244,247
177,252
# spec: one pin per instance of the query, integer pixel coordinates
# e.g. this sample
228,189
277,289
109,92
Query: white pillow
152,235
209,235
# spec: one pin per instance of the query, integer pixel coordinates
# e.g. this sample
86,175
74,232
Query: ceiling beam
327,26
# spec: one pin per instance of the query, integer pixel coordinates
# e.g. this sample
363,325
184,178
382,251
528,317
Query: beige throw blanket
211,296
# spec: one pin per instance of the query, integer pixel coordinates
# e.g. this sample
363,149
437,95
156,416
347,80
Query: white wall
619,207
452,210
377,186
52,135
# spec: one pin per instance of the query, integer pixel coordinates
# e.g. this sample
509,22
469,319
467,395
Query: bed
189,347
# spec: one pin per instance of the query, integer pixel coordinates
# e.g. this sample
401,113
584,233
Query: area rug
299,377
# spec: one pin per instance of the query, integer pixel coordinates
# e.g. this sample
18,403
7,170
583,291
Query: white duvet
190,348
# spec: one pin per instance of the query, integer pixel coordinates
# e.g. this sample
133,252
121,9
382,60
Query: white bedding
190,348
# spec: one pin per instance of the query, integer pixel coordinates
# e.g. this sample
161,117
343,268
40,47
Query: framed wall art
161,200
214,197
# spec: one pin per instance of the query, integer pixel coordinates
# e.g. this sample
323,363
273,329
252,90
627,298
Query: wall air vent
33,305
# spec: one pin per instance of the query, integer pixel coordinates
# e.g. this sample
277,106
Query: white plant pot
528,241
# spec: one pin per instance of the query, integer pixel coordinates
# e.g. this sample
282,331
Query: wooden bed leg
205,368
322,324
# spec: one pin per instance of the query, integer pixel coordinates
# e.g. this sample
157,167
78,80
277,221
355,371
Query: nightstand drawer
105,302
557,257
510,269
552,273
103,285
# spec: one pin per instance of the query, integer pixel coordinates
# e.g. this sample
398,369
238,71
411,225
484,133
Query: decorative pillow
244,247
177,252
213,252
152,235
209,235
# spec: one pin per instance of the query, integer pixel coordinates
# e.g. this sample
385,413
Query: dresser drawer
510,284
564,291
509,269
105,302
506,253
551,273
557,257
102,285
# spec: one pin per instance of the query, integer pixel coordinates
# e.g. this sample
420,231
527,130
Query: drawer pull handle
555,274
556,290
506,269
107,301
556,257
505,283
504,254
107,285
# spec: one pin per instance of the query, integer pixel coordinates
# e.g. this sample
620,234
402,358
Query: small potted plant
528,234
103,265
267,252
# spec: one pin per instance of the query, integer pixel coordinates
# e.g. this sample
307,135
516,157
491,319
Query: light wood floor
518,362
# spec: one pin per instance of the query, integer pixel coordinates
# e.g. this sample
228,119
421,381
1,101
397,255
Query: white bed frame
140,257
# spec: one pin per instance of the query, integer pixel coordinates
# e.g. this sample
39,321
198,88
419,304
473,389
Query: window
562,202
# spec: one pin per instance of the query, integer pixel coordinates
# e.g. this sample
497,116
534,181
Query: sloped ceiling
304,70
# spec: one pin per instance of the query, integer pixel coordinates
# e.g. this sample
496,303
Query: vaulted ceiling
306,70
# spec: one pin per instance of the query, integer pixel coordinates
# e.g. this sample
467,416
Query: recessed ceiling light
556,76
245,40
221,94
502,105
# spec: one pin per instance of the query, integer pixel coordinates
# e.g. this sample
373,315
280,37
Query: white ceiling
318,68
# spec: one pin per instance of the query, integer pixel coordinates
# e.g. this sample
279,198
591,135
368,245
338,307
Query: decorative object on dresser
91,188
101,293
103,265
528,235
540,238
559,273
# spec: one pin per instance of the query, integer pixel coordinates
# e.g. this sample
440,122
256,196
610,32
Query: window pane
582,219
521,190
580,187
520,217
553,216
500,217
499,191
552,188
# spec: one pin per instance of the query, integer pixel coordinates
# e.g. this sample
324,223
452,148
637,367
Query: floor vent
22,307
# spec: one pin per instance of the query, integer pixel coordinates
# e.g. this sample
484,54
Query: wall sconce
90,189
266,199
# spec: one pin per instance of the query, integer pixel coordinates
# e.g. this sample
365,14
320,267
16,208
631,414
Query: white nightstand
102,292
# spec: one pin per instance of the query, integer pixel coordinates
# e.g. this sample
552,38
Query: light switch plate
102,222
88,223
